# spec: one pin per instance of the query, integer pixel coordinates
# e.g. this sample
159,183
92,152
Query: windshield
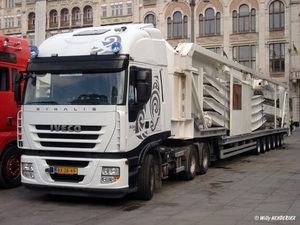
75,89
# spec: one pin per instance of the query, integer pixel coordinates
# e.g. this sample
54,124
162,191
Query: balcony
53,24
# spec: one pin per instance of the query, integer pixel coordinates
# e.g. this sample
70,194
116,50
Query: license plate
67,171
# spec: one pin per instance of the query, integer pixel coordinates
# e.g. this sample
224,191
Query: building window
185,26
19,21
112,10
117,9
9,3
277,58
77,16
66,16
178,27
243,20
210,24
169,27
245,55
104,11
55,18
31,40
276,15
150,19
129,8
9,21
121,9
215,50
90,14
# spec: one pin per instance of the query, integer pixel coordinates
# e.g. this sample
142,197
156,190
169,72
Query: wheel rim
193,163
258,146
264,145
13,166
269,144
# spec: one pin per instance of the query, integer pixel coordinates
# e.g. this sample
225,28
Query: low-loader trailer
113,110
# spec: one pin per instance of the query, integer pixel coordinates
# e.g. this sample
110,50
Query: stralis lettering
79,109
65,128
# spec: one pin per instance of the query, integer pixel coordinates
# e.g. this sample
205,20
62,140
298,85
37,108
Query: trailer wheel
280,136
273,142
190,173
147,178
10,168
263,145
204,159
268,143
257,150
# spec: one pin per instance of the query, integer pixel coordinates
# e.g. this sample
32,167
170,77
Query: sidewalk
294,137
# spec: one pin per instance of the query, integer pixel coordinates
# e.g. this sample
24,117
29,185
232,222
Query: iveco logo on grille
65,128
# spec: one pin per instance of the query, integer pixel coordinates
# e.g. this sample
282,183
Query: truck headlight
110,174
27,170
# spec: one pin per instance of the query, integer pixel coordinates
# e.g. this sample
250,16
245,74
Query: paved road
243,190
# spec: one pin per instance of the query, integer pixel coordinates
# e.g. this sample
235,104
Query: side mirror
17,88
143,86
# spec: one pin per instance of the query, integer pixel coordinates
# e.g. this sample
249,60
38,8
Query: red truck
14,55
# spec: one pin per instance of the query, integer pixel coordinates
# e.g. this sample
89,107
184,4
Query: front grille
86,138
83,128
67,145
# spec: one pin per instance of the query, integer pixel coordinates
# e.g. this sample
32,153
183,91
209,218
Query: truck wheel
10,168
273,142
191,166
280,136
146,182
263,145
278,141
257,150
268,142
204,160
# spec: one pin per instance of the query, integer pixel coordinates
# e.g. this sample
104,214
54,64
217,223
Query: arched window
177,25
90,14
185,26
150,19
276,15
77,16
169,27
55,18
243,20
66,16
210,23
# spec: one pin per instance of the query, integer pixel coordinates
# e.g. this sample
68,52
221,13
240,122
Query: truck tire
273,142
204,159
257,150
192,162
10,168
147,179
263,145
268,142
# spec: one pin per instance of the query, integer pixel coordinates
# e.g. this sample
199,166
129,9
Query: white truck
113,110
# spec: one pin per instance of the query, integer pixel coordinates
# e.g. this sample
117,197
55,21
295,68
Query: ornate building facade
263,35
